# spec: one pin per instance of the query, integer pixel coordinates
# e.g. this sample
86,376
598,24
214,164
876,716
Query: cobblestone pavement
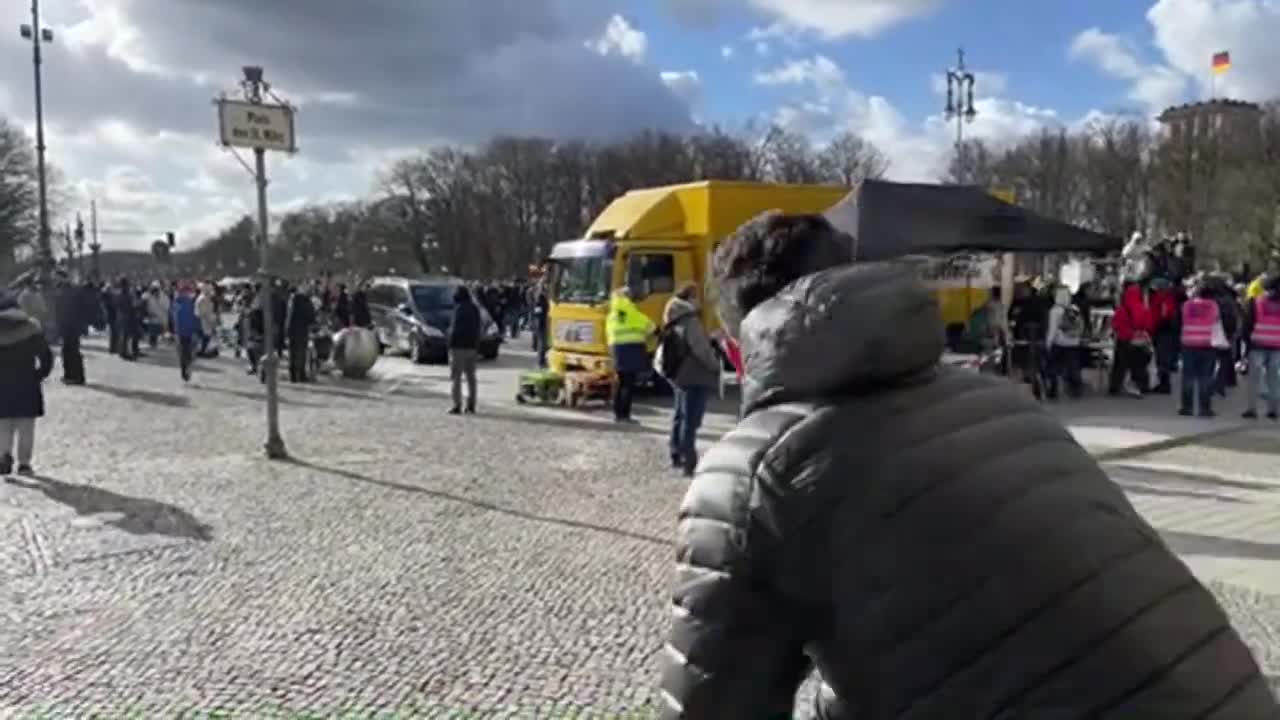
408,562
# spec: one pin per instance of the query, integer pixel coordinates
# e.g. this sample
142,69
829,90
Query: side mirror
404,309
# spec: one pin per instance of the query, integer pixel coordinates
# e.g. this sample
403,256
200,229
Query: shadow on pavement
138,516
260,396
482,504
1185,543
1263,441
148,396
170,360
1141,489
1148,477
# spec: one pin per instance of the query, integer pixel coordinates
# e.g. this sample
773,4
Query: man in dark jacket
72,321
464,346
25,362
300,316
931,539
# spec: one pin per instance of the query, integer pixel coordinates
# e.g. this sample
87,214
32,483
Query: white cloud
1186,34
622,39
726,51
1189,32
762,48
844,18
684,83
1155,86
917,151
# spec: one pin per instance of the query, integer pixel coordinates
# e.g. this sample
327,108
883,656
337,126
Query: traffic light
169,236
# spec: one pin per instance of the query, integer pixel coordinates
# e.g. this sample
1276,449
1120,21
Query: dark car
412,316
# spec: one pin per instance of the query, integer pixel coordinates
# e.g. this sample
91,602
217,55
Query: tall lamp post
37,35
959,106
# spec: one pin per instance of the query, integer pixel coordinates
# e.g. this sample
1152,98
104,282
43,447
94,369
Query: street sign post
255,124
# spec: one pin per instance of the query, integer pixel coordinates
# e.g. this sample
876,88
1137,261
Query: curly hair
769,252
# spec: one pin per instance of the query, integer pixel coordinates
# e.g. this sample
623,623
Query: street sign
252,125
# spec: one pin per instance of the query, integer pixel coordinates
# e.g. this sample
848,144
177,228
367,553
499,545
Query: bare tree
849,159
19,202
971,163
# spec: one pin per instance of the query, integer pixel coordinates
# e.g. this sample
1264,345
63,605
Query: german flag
1221,62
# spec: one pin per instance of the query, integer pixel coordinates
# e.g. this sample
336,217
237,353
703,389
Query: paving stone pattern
409,563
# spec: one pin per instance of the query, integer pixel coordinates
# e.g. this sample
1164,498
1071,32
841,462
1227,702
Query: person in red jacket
1165,310
1134,325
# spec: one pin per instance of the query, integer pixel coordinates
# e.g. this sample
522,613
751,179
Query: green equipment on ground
542,387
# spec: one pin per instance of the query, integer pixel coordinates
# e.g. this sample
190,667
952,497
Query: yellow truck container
654,241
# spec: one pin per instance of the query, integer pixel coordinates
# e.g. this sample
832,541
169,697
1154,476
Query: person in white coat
1066,325
207,314
157,305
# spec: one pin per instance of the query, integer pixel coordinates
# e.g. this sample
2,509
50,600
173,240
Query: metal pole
94,246
275,443
46,245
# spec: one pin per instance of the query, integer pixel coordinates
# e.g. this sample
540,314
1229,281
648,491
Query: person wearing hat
25,362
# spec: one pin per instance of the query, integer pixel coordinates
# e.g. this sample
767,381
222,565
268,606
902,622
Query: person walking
127,320
1063,340
1261,333
627,332
72,321
693,369
186,328
25,362
301,315
157,316
464,346
931,540
1202,336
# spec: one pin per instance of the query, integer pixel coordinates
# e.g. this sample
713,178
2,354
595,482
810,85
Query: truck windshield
582,280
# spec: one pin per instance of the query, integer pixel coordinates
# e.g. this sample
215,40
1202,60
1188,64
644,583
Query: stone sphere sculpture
355,350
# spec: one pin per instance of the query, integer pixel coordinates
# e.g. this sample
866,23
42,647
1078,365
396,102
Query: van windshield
583,280
430,298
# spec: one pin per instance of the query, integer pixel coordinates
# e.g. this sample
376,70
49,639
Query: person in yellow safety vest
1258,286
1262,341
1202,332
627,330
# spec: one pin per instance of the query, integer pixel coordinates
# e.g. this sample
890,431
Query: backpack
671,351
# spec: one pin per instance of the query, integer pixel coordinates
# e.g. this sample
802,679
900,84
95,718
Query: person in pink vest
1262,343
1201,333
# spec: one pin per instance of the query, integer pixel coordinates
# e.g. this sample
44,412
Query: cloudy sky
128,83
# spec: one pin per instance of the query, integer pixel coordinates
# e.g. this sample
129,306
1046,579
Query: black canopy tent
889,220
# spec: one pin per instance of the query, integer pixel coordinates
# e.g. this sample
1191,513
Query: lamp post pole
36,35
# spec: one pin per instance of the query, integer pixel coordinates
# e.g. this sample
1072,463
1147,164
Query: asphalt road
407,561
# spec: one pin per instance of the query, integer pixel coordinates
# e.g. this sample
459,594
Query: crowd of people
1205,328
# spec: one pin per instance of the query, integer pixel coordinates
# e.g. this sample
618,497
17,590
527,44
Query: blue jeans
1198,378
1264,368
690,406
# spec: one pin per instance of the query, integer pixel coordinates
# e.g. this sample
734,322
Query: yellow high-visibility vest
625,324
1254,290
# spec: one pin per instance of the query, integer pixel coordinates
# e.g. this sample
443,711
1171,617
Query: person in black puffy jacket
931,540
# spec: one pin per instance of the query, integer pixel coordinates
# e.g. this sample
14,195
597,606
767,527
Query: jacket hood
843,330
676,309
16,326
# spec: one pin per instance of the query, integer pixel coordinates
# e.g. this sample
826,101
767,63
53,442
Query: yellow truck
654,241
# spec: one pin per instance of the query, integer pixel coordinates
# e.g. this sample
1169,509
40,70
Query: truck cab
653,241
